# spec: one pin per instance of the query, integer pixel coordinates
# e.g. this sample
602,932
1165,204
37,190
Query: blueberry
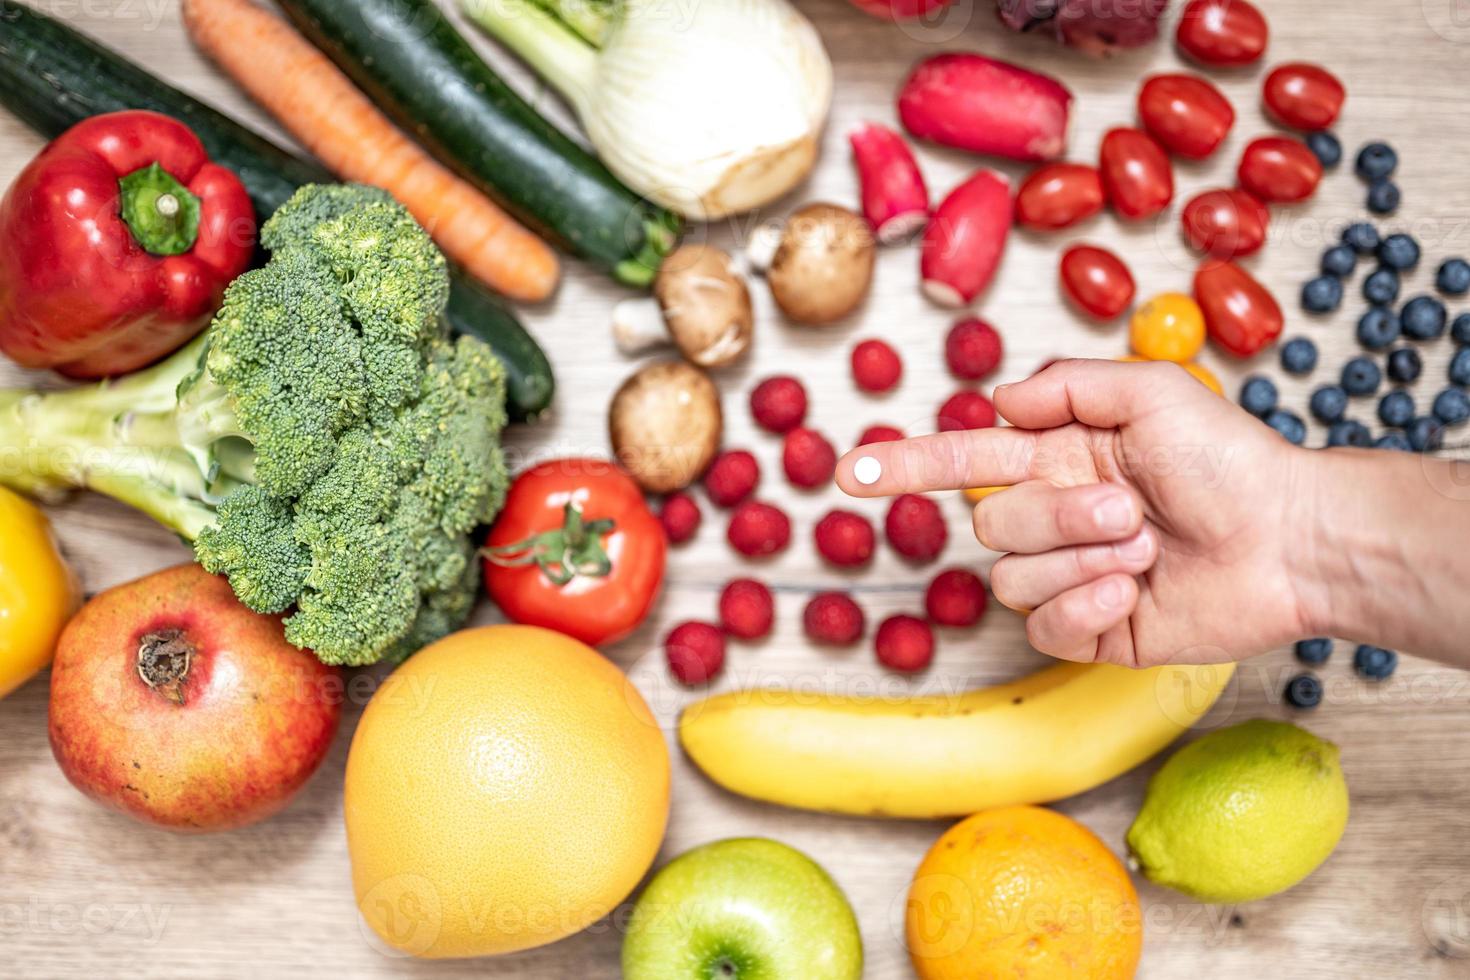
1325,147
1453,278
1425,433
1460,329
1393,440
1460,367
1404,365
1322,295
1374,663
1361,376
1378,328
1384,197
1314,651
1304,691
1399,251
1289,424
1452,406
1381,287
1298,356
1339,261
1396,409
1423,318
1361,237
1376,161
1328,404
1349,432
1258,395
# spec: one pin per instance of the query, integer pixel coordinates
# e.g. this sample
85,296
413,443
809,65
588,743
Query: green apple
742,909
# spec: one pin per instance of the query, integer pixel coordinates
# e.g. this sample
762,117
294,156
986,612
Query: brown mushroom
820,262
699,302
665,424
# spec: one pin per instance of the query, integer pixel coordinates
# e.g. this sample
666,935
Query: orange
1169,327
1022,892
507,786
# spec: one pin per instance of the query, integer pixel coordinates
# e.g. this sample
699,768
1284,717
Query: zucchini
412,62
52,77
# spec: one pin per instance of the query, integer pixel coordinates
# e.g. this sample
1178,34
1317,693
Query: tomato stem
562,553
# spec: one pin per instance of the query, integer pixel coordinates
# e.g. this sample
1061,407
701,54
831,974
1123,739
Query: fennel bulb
707,107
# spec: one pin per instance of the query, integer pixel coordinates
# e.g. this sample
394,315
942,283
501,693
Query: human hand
1146,521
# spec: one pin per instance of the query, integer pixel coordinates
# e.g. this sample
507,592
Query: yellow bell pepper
38,593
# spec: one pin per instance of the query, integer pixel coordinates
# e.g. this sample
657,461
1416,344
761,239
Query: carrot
333,119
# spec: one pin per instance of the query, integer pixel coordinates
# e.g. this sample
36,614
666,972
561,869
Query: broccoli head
325,444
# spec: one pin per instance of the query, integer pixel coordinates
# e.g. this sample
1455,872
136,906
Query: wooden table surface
86,893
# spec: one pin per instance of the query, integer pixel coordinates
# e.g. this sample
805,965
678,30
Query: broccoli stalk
324,443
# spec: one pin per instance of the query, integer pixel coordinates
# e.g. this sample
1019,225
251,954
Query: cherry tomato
576,550
1196,370
1185,113
1169,327
1222,32
1303,96
1135,173
1059,194
1279,170
1225,223
1097,281
1241,315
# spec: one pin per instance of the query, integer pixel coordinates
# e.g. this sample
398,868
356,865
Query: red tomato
1240,314
1097,281
1225,223
1135,173
1222,32
900,9
576,550
1279,170
1185,113
1303,96
1059,194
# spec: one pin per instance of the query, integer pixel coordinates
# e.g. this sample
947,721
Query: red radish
979,104
1225,223
1057,195
1185,113
899,9
1279,170
895,200
1135,173
1303,96
964,241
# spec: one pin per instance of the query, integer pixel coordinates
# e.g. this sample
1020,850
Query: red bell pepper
116,244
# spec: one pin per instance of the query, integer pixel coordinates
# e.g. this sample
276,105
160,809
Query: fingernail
867,471
1114,514
1110,593
1135,548
998,389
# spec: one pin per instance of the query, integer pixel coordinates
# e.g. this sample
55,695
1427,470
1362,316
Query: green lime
1242,813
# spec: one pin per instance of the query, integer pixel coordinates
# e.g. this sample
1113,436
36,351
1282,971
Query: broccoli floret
325,444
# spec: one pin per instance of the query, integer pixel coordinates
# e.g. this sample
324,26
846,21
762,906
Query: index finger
943,461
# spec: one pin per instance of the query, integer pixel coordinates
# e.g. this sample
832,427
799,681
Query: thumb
1102,394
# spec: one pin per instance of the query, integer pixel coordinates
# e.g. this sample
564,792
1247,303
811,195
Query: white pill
867,471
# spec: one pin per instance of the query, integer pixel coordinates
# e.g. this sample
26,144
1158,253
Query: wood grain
87,893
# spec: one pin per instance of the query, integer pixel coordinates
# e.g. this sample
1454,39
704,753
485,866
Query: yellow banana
1053,734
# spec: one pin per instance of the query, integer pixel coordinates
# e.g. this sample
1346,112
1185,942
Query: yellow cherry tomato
1196,370
38,593
1169,327
977,494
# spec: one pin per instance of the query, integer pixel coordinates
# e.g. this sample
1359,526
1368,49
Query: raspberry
915,527
875,366
680,517
844,538
972,350
879,433
808,458
746,609
731,478
966,410
778,404
696,652
758,529
904,643
956,597
832,618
